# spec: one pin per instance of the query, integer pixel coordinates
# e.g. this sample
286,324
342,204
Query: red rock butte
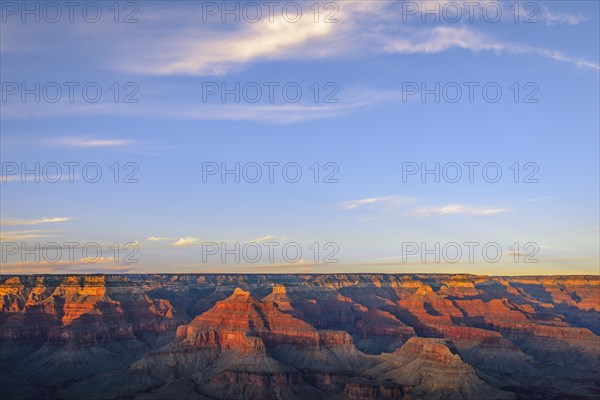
270,336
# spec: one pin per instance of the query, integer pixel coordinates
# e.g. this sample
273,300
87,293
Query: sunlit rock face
336,336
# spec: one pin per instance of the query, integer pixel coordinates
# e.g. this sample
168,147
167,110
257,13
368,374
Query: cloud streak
393,201
406,206
158,238
203,52
187,241
444,38
200,51
91,143
79,266
25,235
456,209
15,222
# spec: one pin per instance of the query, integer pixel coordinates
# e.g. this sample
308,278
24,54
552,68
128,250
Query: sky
300,137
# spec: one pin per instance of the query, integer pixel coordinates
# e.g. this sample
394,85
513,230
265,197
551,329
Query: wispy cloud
25,178
10,178
79,266
533,200
366,29
553,18
193,111
124,145
456,209
262,239
187,241
274,113
26,234
393,201
396,205
158,238
200,51
444,38
88,142
527,12
13,222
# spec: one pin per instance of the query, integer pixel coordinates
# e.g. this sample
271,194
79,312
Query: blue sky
372,58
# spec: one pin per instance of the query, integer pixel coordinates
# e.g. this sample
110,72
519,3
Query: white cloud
365,28
443,38
262,239
88,142
551,18
158,238
186,47
528,12
204,52
285,113
13,222
83,266
349,205
25,234
395,205
456,209
270,113
24,178
393,201
437,40
188,241
124,145
10,178
268,238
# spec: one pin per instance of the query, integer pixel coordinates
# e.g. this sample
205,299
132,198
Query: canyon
362,336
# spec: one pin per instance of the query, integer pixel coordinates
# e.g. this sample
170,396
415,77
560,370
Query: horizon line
297,273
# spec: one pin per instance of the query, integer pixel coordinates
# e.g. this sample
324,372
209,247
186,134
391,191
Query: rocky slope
335,336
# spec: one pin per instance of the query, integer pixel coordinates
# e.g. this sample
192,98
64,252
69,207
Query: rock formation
335,336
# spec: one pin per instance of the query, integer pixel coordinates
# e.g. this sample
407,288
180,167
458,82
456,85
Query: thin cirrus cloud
396,205
194,241
126,145
270,113
25,235
202,52
456,209
552,18
265,238
524,11
187,47
205,52
82,266
187,241
14,222
158,238
443,38
10,178
273,113
268,238
364,29
349,100
393,201
91,143
24,178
